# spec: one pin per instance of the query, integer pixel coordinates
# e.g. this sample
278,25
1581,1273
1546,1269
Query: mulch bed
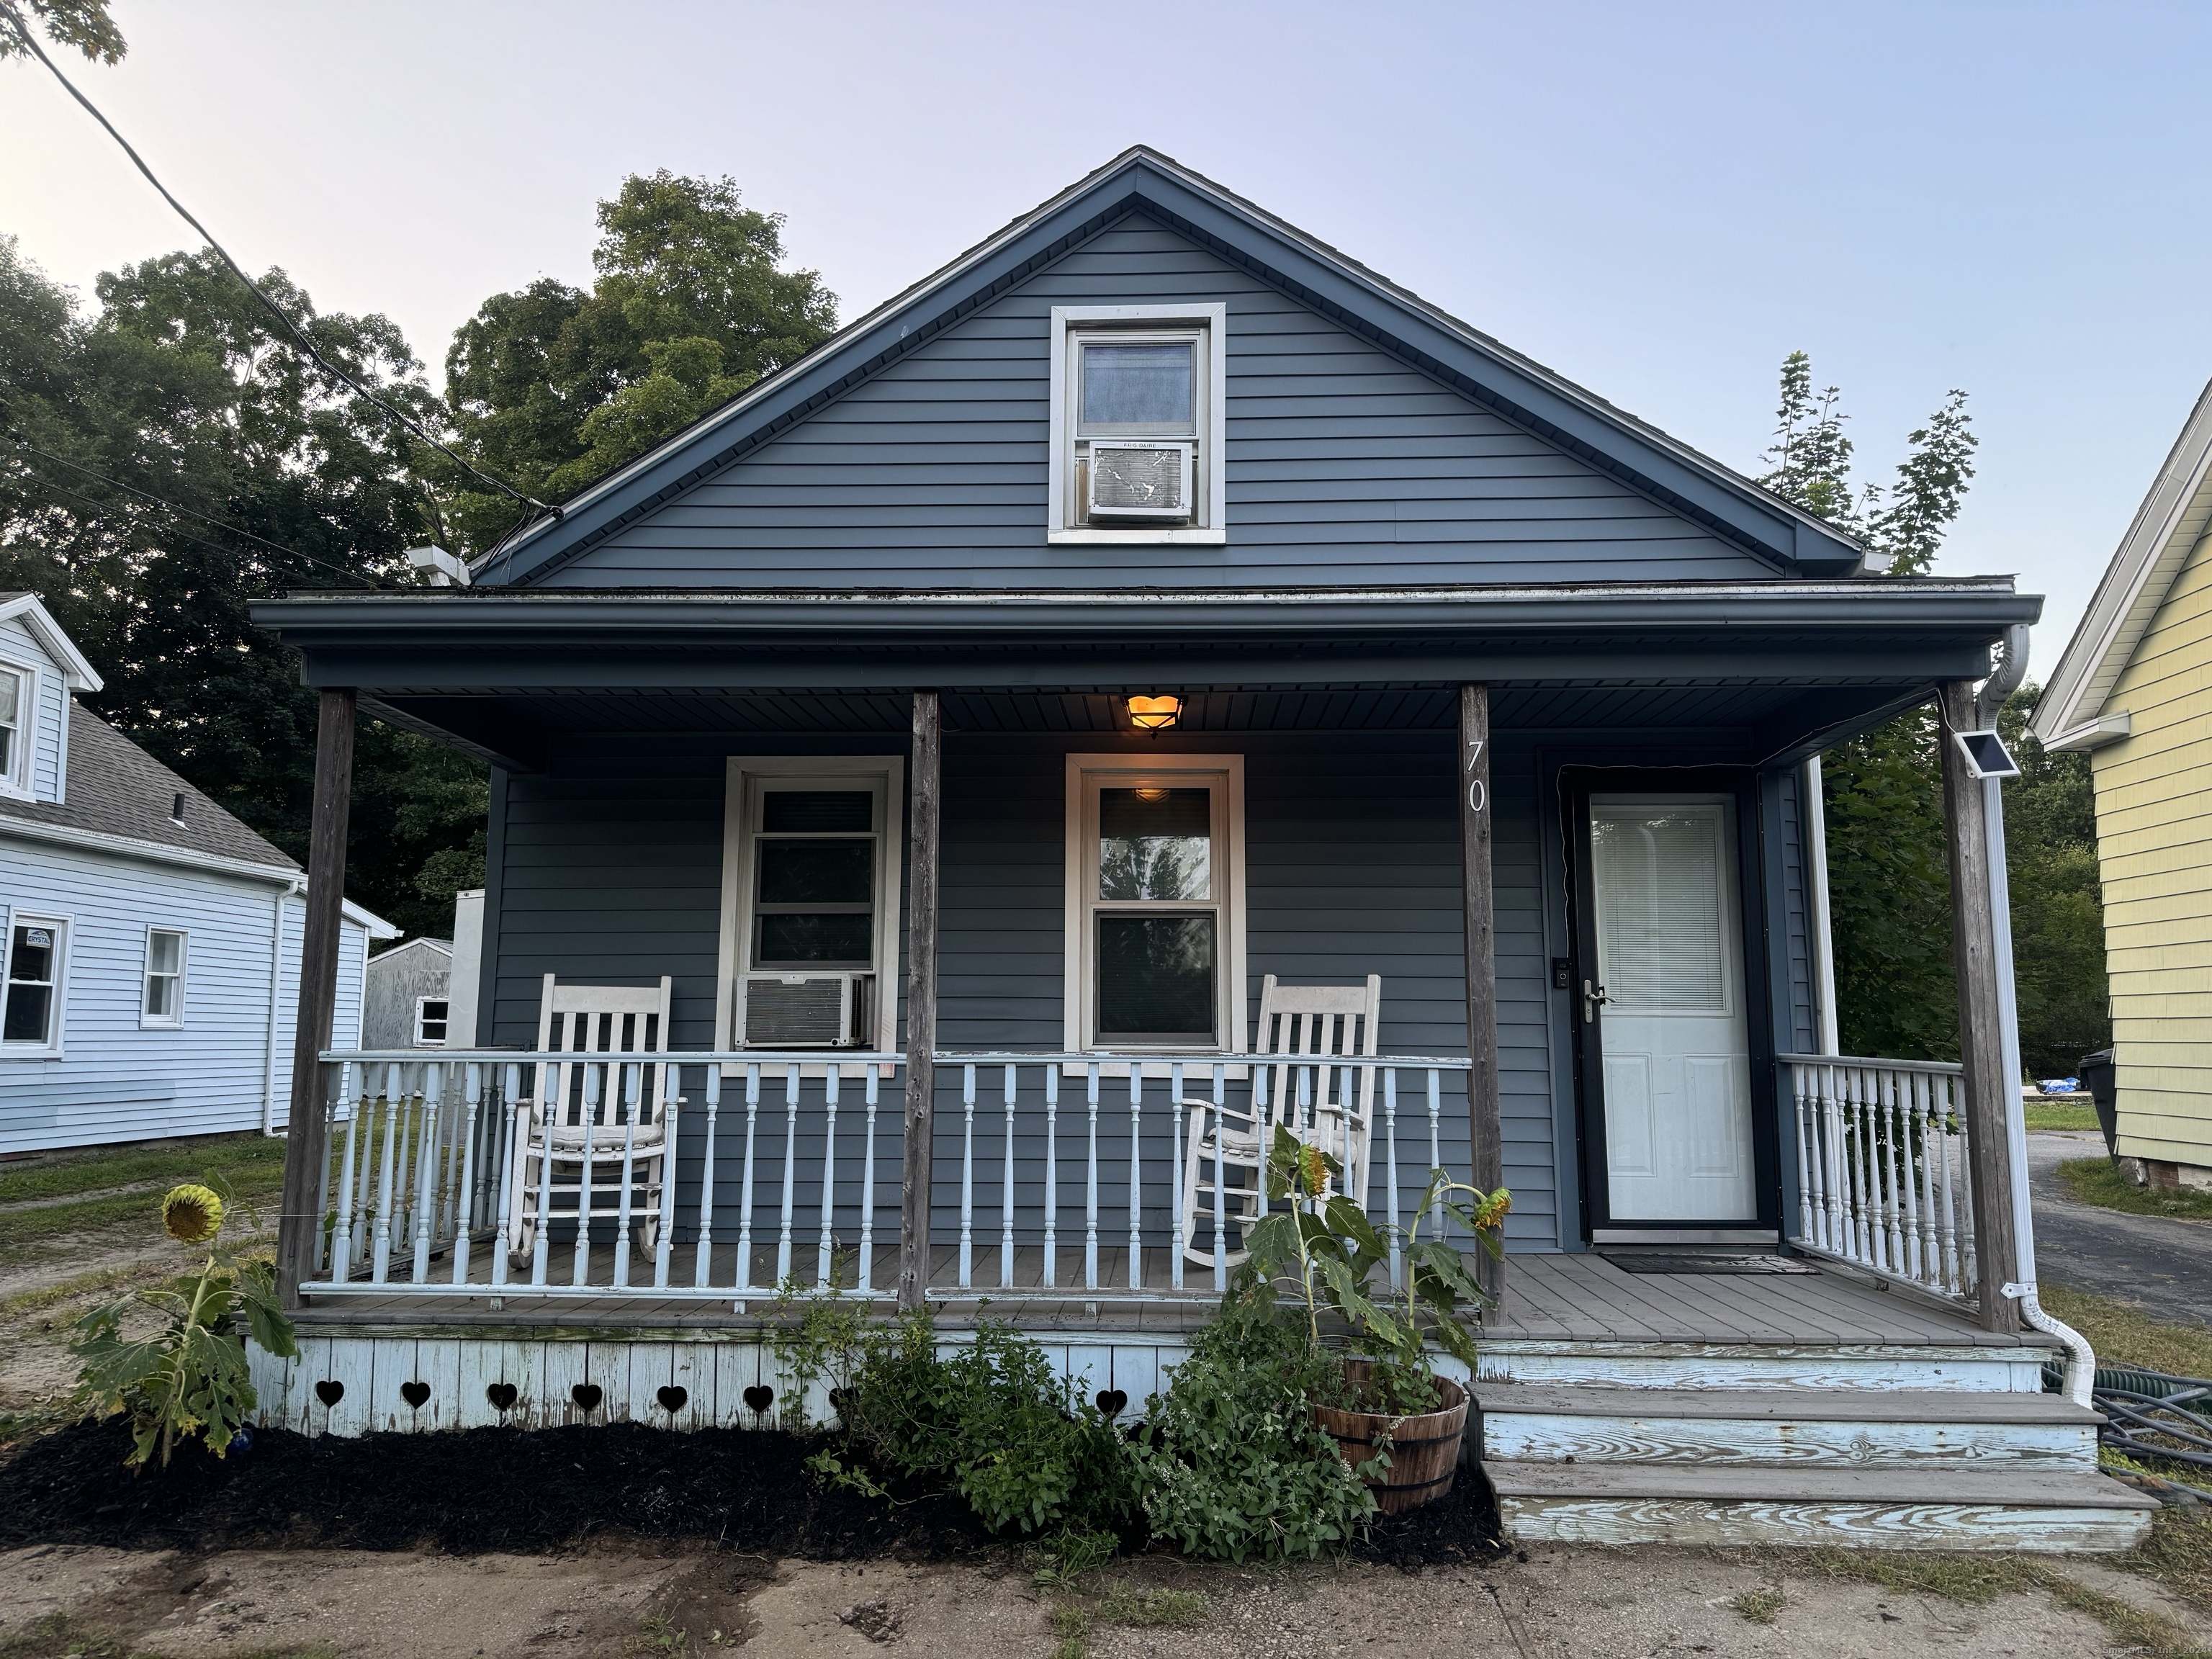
481,1490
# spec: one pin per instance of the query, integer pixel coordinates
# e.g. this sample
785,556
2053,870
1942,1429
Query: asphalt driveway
2160,1266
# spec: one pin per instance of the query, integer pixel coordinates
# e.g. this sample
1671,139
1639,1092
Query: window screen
164,975
33,957
1129,390
1658,872
1155,978
11,737
814,865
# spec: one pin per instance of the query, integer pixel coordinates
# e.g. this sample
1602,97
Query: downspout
2082,1360
1815,817
284,895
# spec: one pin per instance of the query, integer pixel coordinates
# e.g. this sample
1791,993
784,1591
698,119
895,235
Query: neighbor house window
1155,878
430,1022
18,701
165,978
37,957
811,869
1137,423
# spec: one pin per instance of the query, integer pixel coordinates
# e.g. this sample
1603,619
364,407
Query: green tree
131,442
2058,901
552,386
83,25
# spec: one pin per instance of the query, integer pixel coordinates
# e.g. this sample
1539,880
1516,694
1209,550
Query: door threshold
1749,1237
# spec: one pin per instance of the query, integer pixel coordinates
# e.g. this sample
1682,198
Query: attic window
1136,424
16,705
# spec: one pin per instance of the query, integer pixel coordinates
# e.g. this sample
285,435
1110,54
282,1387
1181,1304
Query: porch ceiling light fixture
1154,714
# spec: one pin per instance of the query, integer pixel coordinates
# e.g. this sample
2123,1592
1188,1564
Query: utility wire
223,524
306,346
108,507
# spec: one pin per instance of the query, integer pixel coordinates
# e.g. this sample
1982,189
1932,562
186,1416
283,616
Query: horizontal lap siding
612,871
1343,464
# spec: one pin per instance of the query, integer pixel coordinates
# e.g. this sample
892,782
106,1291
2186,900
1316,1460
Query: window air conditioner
803,1010
1132,480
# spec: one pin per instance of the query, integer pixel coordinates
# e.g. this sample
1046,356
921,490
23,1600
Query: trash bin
2102,1079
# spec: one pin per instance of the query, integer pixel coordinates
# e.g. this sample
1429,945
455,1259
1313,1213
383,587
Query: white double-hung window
1155,904
18,704
164,1005
31,1003
1137,422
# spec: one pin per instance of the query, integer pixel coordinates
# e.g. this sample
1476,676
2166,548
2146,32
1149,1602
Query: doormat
1643,1262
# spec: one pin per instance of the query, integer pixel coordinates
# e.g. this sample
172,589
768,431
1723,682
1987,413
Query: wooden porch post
1973,957
299,1228
1486,1137
920,1006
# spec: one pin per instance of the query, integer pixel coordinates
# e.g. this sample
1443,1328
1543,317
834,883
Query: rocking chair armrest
1227,1111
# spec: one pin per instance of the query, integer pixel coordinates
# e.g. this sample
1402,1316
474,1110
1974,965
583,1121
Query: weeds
2124,1336
1153,1607
2178,1554
1759,1606
2096,1181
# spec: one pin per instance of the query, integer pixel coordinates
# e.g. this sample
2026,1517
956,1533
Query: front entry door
1662,996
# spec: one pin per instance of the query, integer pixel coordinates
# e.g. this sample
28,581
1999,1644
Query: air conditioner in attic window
1139,480
803,1010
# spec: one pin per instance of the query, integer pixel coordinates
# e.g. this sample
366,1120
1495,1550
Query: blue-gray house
1150,641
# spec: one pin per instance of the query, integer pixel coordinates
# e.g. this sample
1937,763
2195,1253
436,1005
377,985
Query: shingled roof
117,788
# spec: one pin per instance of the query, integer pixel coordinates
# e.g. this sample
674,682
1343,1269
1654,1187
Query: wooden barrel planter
1424,1449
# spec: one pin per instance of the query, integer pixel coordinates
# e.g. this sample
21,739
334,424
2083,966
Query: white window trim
737,904
1085,772
150,1022
67,926
422,1041
1214,321
20,781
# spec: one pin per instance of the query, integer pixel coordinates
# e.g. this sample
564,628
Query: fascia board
377,925
76,673
2174,515
1514,386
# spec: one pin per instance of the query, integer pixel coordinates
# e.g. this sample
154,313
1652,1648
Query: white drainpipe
284,895
1815,815
2082,1366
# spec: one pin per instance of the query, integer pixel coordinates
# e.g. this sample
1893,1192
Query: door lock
1594,998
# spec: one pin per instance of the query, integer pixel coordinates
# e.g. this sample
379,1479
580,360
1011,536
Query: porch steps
1949,1467
1809,1364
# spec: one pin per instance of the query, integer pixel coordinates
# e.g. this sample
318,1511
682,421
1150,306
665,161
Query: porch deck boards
1548,1297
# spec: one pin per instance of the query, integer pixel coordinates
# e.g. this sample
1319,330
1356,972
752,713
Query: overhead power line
110,508
306,346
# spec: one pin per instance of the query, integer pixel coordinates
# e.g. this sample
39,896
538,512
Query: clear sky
1657,200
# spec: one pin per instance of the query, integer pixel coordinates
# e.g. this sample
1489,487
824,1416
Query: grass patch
1155,1607
25,1303
240,1158
1976,1580
2180,1473
2122,1336
2178,1554
1759,1606
59,1636
2060,1114
2096,1181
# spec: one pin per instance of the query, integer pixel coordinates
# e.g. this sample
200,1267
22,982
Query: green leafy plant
1327,1249
189,1377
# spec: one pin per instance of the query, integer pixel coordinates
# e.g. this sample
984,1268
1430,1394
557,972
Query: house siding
1344,464
2155,846
115,1082
610,871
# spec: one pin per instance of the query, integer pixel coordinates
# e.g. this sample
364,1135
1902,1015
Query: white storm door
1673,1032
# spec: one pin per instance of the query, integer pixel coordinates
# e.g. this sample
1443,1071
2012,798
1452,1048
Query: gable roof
2172,518
27,608
1142,181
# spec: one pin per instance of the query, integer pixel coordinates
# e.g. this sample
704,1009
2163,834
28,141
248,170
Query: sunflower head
191,1214
1313,1170
1494,1209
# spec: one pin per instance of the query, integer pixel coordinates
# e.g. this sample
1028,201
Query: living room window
1137,422
1155,884
38,961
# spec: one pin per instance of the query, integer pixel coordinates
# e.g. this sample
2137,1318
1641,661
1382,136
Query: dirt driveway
1559,1604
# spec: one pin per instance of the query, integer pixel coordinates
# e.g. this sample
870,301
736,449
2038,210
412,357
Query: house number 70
1478,796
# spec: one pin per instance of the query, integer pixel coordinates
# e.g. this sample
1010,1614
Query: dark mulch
497,1489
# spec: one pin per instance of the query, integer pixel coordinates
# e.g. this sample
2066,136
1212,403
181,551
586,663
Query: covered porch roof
1790,666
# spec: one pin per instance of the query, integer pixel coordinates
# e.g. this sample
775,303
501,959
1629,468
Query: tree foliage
1888,879
82,25
552,386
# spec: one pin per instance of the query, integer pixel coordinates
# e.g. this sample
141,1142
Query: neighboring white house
149,966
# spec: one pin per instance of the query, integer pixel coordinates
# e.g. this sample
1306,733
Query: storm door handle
1594,998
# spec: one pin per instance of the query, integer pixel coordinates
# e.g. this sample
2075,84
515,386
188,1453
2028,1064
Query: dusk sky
1657,201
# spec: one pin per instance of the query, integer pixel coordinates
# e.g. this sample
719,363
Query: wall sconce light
1154,714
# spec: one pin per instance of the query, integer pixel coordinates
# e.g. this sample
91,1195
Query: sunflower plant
188,1377
1327,1249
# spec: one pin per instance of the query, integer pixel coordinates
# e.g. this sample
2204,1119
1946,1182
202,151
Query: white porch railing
785,1169
1883,1179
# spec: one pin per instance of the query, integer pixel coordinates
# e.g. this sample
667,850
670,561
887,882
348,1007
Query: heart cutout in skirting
416,1395
759,1397
502,1395
330,1392
1113,1402
587,1395
672,1398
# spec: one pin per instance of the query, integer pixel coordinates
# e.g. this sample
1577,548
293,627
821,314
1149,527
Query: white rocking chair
1340,1021
589,1123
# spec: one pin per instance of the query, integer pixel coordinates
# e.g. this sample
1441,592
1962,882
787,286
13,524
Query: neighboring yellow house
2134,688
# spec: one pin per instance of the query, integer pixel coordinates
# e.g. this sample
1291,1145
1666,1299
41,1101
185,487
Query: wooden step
1883,1508
2010,1368
1550,1423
